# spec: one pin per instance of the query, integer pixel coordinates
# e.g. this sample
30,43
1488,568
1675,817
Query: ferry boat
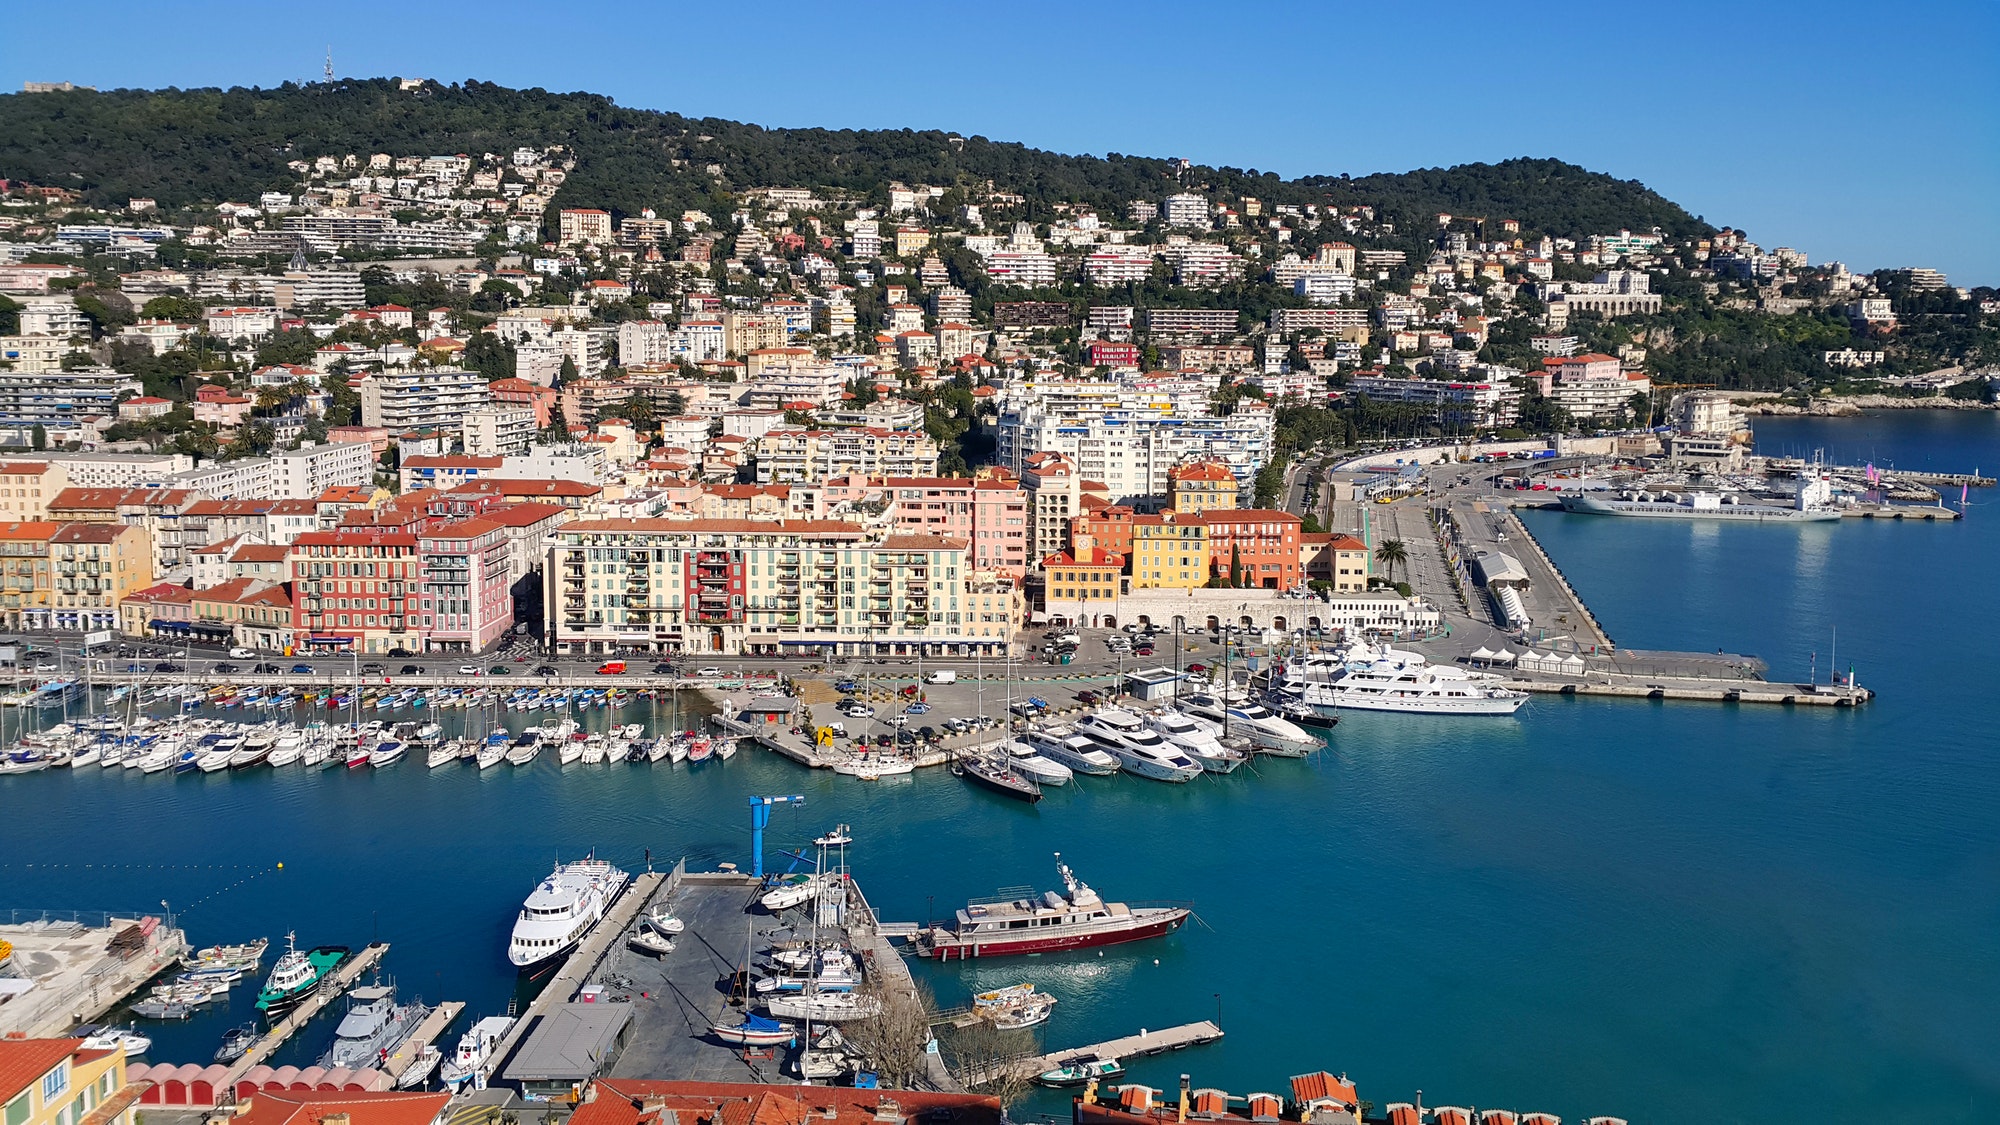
562,909
1813,504
297,975
1363,678
1074,918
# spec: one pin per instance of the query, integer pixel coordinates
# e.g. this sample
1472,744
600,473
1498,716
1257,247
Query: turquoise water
1660,911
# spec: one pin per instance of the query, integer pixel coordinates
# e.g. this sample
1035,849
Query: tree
638,410
990,1060
566,373
896,1041
1235,566
41,438
1391,554
172,308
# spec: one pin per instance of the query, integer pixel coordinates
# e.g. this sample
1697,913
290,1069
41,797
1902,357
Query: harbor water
1662,911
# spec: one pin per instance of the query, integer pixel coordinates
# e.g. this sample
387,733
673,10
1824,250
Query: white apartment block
426,399
792,454
775,388
1119,266
26,354
1461,403
50,397
1185,210
1134,454
114,470
497,431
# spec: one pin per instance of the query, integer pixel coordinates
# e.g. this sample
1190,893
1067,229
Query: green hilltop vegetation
190,147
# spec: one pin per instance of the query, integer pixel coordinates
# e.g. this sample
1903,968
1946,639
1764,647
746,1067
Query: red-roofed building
356,587
143,407
1254,547
356,1107
60,1082
520,392
1082,586
165,611
1331,557
638,1101
466,581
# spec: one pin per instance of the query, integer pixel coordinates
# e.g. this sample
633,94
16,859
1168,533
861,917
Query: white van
944,677
243,654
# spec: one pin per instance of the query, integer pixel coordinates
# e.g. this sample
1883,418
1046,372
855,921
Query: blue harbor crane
760,816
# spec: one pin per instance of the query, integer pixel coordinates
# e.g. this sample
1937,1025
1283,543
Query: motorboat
1030,763
475,1049
1305,714
595,748
236,1041
1195,739
997,773
829,979
387,753
111,1038
289,748
650,939
823,1007
1081,1074
217,757
523,751
373,1027
1064,745
1073,918
1029,1013
1138,749
420,1068
254,751
244,957
795,890
1247,718
663,920
561,909
1386,679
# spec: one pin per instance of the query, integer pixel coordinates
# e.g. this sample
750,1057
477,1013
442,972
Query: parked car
1088,697
1197,668
168,666
917,708
545,670
410,670
467,670
501,670
302,669
266,669
1143,650
711,673
372,668
846,686
858,711
225,668
401,653
883,739
905,738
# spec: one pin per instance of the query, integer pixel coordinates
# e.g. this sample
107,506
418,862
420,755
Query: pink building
467,604
991,515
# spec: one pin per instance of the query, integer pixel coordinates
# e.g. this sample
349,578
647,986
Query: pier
1146,1042
330,989
422,1039
579,965
82,971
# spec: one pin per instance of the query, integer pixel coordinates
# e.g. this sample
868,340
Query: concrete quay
1146,1042
77,975
422,1039
337,982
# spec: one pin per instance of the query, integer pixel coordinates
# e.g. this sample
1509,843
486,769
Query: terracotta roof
809,527
1109,560
90,533
165,592
357,536
518,486
230,507
453,461
923,543
24,1061
260,553
463,529
523,515
310,1107
1203,470
19,468
1215,516
33,530
1322,1086
633,1101
1347,543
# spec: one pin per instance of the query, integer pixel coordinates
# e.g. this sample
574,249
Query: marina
343,977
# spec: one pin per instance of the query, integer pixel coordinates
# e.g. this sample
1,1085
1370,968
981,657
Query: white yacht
1062,744
562,909
1029,763
1196,739
1386,679
1266,731
1138,749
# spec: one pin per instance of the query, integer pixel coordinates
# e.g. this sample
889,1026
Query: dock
81,970
422,1038
337,982
1146,1042
602,937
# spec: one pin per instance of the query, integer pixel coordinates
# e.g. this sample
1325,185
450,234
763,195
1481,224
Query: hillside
189,147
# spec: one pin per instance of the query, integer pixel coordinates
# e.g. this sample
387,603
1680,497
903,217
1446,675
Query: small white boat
109,1038
491,754
569,750
475,1048
289,748
663,920
826,1007
1029,763
793,890
387,753
1028,1013
214,760
444,753
420,1068
755,1031
650,939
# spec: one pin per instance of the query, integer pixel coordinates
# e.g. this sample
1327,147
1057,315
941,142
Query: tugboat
467,1064
297,975
1074,918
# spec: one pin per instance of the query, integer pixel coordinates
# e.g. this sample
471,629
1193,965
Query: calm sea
1659,911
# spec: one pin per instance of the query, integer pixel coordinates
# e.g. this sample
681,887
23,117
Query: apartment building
1133,455
1198,486
60,1082
1054,489
1118,265
762,587
92,566
1185,209
1592,385
1082,587
421,399
1169,552
990,515
1192,322
26,487
25,584
498,431
1332,557
356,588
793,454
1458,403
466,580
584,224
1253,547
60,400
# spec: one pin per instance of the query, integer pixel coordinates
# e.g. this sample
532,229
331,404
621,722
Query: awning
170,626
1481,653
329,640
214,627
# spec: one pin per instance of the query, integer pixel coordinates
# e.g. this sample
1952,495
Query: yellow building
1082,588
1201,486
24,574
1336,558
59,1082
26,487
1169,554
93,566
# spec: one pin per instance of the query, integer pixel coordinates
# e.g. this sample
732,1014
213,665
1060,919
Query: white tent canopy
1481,653
1503,657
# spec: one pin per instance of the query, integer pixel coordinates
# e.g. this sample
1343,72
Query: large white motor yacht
1364,678
1196,739
1246,718
562,909
1138,749
1060,742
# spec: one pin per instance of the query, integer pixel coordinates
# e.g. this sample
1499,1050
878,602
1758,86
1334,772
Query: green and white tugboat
297,975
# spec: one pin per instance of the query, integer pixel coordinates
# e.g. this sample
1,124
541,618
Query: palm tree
1392,554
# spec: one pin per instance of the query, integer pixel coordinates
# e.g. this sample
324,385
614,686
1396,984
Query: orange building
1256,546
1110,527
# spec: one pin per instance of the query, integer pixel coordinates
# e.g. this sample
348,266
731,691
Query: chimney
336,1119
1182,1118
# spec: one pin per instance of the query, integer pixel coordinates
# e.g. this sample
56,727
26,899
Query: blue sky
1864,133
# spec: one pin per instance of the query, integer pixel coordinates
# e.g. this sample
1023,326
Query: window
17,1110
54,1083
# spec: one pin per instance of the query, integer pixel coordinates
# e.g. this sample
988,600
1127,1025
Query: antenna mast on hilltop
329,63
